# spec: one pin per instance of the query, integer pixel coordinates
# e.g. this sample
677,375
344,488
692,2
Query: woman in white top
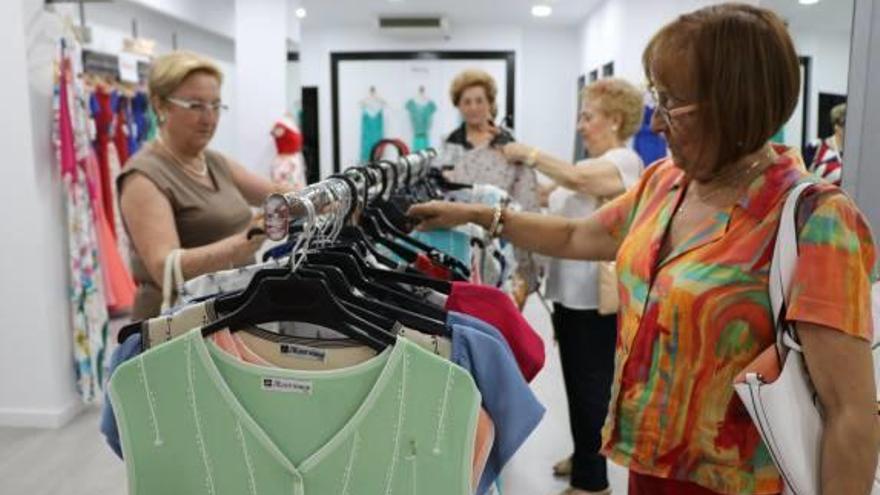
610,113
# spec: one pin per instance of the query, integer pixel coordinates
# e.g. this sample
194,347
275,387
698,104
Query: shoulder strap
782,266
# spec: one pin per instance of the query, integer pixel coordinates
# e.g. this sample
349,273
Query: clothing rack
356,186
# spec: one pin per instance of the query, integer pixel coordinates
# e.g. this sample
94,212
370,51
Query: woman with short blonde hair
175,193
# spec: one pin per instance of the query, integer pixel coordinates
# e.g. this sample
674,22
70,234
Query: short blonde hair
617,97
838,115
472,78
170,70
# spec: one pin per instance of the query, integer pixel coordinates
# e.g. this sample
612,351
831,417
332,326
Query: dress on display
372,131
88,306
421,116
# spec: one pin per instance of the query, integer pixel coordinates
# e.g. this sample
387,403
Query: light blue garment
450,241
507,398
372,131
127,350
421,115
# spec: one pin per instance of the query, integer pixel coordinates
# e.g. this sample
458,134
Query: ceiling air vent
414,26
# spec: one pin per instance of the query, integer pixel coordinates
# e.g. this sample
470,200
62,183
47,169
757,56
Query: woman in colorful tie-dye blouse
693,242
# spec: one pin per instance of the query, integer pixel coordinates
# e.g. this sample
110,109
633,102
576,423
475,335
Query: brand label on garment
272,384
303,352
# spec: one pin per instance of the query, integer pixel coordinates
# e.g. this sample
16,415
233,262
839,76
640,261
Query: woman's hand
248,241
445,214
516,153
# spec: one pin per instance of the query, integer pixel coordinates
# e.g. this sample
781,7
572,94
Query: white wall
549,60
261,53
619,30
216,16
37,386
547,111
110,24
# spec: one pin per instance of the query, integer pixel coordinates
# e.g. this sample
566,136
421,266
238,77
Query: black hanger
386,311
296,298
358,275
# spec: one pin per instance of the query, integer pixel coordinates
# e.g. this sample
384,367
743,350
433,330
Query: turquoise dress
421,115
372,131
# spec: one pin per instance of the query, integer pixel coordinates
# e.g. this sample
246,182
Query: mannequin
289,166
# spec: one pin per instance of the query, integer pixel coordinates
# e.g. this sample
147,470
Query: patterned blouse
691,322
485,164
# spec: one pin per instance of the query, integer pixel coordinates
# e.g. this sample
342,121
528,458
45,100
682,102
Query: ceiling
363,13
827,15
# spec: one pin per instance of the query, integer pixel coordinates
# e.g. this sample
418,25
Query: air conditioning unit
414,26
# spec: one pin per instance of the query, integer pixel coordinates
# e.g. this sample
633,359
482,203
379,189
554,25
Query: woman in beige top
176,193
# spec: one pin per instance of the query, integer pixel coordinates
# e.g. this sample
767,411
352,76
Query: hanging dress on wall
372,130
87,304
421,116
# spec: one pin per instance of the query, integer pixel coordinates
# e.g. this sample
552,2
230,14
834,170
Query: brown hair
169,71
745,71
617,97
471,78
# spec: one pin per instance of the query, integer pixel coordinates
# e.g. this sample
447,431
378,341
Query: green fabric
195,420
420,115
372,131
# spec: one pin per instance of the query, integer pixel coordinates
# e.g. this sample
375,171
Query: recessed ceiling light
808,2
541,10
301,13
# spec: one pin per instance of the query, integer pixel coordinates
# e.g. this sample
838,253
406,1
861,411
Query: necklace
748,175
198,173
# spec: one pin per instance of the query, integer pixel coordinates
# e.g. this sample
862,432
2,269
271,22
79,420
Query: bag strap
172,278
782,266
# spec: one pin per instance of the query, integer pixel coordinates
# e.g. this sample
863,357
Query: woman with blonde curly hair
610,113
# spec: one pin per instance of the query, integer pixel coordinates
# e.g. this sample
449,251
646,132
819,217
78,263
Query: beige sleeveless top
202,214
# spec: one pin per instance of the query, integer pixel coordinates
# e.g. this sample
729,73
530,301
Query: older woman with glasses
692,242
175,193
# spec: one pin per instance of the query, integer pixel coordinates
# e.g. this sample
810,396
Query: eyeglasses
198,106
661,104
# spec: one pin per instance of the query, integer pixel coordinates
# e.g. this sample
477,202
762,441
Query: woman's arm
549,235
150,222
599,178
254,187
842,371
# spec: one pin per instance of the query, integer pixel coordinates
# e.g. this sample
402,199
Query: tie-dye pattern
690,322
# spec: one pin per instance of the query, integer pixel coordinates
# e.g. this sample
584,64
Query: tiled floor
75,461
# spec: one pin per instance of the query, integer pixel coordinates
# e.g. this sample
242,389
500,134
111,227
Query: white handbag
786,410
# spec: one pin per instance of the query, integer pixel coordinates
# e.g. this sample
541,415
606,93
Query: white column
261,77
37,384
861,175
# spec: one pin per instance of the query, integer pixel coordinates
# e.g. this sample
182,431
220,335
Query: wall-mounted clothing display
421,115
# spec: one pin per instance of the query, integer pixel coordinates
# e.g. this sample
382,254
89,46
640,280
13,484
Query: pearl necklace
198,173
